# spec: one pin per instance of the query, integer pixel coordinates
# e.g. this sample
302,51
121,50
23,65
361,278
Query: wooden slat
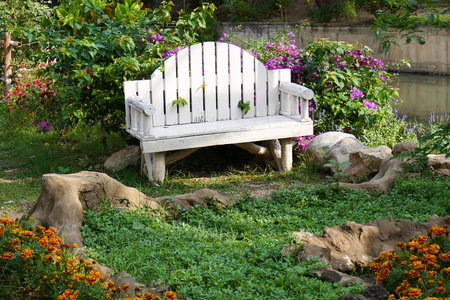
184,84
248,82
157,87
273,98
261,89
209,67
143,91
235,82
170,89
129,89
223,103
197,83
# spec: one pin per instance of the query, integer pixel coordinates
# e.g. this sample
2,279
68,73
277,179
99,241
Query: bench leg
149,164
286,154
159,166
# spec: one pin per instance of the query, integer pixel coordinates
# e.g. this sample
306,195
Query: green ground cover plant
235,251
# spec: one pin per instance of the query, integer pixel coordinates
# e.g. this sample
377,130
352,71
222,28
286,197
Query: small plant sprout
244,106
338,166
179,101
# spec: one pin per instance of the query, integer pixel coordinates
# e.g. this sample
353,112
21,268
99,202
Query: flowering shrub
34,101
352,88
419,270
96,45
35,262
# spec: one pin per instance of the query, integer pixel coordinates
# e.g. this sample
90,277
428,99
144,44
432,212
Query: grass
235,252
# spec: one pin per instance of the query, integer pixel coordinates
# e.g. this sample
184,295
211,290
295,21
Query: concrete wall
433,57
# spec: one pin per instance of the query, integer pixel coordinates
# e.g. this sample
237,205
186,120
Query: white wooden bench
211,79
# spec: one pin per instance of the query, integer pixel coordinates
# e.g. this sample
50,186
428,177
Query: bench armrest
290,95
138,104
296,90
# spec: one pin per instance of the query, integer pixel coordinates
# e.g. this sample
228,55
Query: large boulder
320,146
341,150
371,157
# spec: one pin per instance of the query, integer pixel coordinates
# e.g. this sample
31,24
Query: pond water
423,95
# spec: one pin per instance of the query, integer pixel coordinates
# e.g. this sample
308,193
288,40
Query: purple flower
370,105
34,123
356,93
45,127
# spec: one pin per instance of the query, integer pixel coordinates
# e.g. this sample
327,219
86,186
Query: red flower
87,70
92,73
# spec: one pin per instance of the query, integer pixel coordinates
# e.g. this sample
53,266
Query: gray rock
371,157
404,147
320,146
341,150
131,155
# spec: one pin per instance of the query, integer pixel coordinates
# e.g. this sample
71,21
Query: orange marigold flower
148,295
415,293
18,248
434,249
419,281
374,266
422,239
125,287
43,241
108,297
436,231
430,257
431,274
419,265
40,228
444,256
28,234
6,221
440,283
8,255
414,273
74,245
391,297
440,289
170,295
13,242
401,245
55,241
27,253
78,277
51,248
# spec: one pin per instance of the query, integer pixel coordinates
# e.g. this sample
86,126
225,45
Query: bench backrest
212,78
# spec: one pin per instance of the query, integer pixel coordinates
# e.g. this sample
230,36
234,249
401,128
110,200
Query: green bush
252,10
98,44
352,87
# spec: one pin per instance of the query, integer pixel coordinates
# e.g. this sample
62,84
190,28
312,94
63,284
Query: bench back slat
223,82
261,87
235,82
170,90
184,87
209,69
248,78
157,89
196,83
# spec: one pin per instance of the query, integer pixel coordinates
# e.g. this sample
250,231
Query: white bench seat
192,101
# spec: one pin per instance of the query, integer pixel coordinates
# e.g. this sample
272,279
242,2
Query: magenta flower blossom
370,105
356,93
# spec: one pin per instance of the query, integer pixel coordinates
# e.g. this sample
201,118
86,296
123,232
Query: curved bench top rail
211,79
